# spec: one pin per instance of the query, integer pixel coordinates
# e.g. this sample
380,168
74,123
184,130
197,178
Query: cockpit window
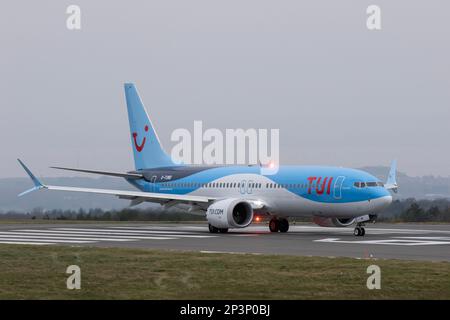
360,184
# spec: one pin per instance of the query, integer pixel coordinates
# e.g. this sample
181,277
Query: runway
393,241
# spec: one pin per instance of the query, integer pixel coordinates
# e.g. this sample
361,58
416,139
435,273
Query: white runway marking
90,235
426,238
229,252
42,240
94,236
394,242
133,231
368,229
45,236
196,228
23,242
122,234
128,234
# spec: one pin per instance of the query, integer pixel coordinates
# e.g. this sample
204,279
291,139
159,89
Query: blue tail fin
391,183
147,150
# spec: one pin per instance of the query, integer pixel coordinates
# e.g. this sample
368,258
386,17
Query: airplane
237,195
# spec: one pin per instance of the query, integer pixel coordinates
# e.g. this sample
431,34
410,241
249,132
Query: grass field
35,272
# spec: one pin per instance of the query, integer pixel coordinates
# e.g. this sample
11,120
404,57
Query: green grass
33,272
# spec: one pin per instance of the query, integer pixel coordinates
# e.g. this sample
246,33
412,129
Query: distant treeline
126,214
408,210
411,210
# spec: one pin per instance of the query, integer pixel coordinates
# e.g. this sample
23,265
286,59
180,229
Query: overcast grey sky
339,93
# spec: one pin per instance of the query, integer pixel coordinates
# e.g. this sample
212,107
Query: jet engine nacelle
230,213
333,222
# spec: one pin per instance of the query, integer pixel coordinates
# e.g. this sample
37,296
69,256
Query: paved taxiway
396,241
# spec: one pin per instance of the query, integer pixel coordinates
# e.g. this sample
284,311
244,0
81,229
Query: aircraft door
243,187
153,184
337,192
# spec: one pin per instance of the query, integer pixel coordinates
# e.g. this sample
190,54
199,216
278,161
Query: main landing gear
280,224
359,230
213,229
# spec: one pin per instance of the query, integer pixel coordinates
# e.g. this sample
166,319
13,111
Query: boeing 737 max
232,196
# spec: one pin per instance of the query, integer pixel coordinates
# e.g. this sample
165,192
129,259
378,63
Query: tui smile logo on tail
139,147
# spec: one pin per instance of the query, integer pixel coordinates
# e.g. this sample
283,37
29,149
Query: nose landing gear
359,230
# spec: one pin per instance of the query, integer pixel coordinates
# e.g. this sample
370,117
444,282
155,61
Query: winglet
391,183
37,184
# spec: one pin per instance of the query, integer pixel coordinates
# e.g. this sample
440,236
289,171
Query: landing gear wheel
213,229
359,231
274,225
223,230
283,225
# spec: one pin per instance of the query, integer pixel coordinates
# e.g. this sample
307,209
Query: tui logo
139,147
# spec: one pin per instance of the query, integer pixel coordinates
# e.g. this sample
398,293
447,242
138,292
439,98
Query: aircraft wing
108,173
135,196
